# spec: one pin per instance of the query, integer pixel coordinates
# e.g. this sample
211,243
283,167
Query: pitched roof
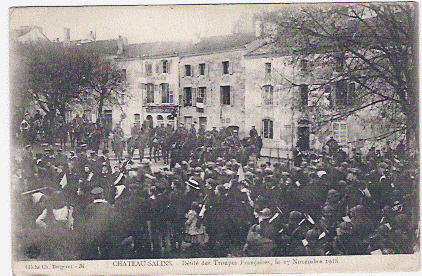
188,48
104,47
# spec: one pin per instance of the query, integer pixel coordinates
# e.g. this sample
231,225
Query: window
202,69
203,122
148,68
225,95
187,96
137,118
268,94
225,67
351,94
122,97
124,73
202,95
345,93
150,92
268,68
267,128
303,95
165,66
188,70
160,120
165,95
341,93
188,121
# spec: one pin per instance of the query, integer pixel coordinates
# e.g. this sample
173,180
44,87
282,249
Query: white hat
321,173
36,197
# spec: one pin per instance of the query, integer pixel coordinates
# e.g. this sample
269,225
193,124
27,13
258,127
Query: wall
217,115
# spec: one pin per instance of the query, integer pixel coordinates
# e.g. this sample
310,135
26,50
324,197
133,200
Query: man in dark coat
98,220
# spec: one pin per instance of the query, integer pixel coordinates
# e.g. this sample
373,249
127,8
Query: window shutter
169,62
183,94
207,70
208,95
194,96
156,93
231,67
157,67
231,96
192,69
221,95
172,88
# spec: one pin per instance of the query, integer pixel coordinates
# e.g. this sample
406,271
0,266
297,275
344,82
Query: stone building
212,82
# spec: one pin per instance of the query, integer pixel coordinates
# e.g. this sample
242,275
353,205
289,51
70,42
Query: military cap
312,235
295,216
27,146
332,192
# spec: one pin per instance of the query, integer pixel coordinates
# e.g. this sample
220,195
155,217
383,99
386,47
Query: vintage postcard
214,139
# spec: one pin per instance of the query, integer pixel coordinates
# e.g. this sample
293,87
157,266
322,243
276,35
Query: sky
137,23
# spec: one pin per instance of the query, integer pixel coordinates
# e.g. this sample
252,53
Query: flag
63,182
274,217
118,179
91,174
241,173
346,219
202,212
308,217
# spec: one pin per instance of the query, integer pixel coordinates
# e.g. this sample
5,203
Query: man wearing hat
261,237
97,222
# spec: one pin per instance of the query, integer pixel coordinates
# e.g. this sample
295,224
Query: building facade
211,90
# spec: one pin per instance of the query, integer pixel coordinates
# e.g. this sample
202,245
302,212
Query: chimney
197,38
258,28
66,39
121,43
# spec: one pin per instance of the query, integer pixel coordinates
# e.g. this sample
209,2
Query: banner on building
340,133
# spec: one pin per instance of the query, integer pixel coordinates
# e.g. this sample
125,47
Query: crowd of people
216,198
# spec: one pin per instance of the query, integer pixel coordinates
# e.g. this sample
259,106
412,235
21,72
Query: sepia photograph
214,138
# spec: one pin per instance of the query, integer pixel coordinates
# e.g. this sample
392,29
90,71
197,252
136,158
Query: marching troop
215,198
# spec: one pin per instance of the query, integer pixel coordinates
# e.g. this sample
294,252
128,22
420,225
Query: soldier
261,237
347,242
310,245
24,128
292,233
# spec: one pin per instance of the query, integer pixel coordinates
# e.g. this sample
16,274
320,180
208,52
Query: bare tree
373,45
